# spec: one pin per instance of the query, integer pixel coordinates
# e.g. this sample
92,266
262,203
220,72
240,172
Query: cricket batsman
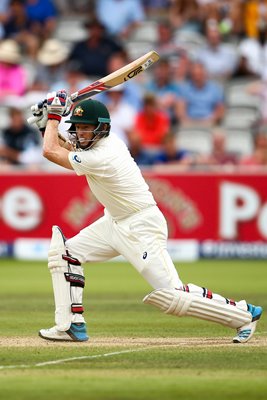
132,226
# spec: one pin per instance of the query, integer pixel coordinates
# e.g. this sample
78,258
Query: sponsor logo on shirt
144,255
77,158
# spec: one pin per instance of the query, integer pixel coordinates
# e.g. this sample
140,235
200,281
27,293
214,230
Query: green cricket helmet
91,112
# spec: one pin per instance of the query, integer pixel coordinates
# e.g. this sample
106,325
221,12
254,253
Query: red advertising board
216,206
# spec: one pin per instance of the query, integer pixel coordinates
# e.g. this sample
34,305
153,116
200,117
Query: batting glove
58,104
40,116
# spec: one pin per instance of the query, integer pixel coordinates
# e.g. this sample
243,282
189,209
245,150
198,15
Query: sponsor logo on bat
147,63
133,73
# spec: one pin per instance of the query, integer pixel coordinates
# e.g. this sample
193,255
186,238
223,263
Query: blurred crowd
202,105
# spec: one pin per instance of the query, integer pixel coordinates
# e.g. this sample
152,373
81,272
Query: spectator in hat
13,79
94,52
17,26
51,60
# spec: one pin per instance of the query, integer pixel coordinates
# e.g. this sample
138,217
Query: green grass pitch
135,351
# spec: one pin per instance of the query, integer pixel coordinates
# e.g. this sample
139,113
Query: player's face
85,134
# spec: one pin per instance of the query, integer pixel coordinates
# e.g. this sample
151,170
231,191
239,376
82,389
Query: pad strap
75,279
70,260
77,308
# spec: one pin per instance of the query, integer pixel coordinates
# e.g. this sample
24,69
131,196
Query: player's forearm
64,143
52,150
51,140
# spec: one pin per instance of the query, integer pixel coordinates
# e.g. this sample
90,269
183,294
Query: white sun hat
53,52
10,52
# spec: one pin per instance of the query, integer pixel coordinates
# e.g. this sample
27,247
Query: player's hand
40,116
58,104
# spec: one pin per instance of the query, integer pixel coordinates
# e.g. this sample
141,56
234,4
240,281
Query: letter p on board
238,203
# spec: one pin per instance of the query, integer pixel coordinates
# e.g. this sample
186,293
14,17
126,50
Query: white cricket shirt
113,176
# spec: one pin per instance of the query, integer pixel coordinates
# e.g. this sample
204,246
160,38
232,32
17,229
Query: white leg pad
58,267
180,303
67,282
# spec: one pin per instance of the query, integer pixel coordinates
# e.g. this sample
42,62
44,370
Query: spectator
259,156
171,154
120,17
152,123
166,45
132,89
227,13
42,17
94,52
143,157
156,8
181,67
73,79
51,65
253,55
255,17
200,101
164,87
220,155
13,78
77,7
122,114
185,15
220,59
17,27
4,10
258,88
20,142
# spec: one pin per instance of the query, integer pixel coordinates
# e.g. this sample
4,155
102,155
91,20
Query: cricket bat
122,75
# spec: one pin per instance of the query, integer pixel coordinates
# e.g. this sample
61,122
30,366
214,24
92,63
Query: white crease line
114,353
63,360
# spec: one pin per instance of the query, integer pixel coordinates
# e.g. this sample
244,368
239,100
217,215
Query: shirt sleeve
87,163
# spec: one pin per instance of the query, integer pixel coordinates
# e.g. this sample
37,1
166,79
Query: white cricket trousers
141,238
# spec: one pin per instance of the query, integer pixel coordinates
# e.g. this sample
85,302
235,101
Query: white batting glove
40,116
58,104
